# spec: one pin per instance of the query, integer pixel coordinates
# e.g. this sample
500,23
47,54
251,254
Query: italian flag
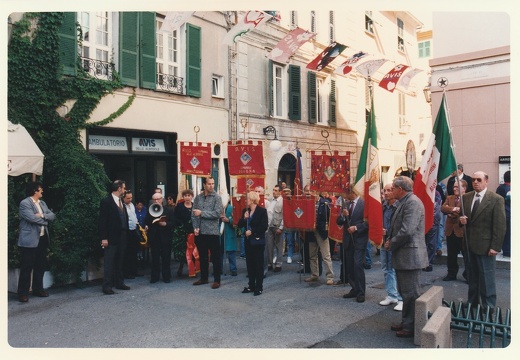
437,164
368,185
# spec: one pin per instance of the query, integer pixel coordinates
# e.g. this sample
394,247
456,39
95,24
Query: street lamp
427,93
275,144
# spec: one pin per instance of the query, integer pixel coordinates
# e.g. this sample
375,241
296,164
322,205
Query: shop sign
107,143
148,145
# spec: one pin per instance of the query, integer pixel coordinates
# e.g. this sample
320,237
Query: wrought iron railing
99,69
169,83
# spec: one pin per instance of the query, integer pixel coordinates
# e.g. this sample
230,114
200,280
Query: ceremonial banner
246,159
370,67
195,159
174,20
330,172
335,230
389,81
246,184
289,44
245,23
239,204
404,81
346,67
326,56
299,213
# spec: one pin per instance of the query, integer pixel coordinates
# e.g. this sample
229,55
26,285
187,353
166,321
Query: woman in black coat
254,221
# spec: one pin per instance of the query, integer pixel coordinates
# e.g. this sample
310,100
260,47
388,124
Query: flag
174,20
222,182
346,67
437,164
330,172
250,20
367,182
195,158
404,81
289,44
326,56
247,184
298,190
370,67
389,81
246,159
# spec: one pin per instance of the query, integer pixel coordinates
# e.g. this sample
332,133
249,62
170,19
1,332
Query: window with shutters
404,126
424,49
96,44
369,23
332,28
168,61
279,93
321,100
294,19
313,22
400,35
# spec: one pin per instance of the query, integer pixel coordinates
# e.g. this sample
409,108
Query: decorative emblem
245,158
298,212
442,82
329,172
194,162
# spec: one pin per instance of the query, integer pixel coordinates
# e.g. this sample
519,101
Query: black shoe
108,292
277,269
350,295
258,292
153,281
449,278
40,293
129,277
233,273
123,287
247,290
428,268
138,275
23,298
367,266
360,298
167,281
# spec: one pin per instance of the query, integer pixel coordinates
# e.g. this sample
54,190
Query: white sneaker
274,260
387,301
399,306
289,260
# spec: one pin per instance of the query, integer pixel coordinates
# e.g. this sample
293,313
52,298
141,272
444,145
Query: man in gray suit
485,220
33,241
409,255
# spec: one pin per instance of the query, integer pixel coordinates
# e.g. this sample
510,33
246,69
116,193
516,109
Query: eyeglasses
476,179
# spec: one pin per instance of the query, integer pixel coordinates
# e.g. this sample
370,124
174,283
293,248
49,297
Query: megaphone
155,210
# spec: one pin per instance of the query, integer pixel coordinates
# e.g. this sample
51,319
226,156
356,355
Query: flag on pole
404,81
174,20
298,190
248,21
327,56
222,182
367,182
370,67
346,67
389,81
437,164
291,42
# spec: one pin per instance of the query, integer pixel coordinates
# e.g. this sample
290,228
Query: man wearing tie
485,221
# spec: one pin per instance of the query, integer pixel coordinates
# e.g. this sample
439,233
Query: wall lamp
427,93
275,144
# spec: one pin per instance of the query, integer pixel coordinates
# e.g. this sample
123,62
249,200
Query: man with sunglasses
485,221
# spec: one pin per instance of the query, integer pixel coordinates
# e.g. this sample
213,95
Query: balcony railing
99,69
169,83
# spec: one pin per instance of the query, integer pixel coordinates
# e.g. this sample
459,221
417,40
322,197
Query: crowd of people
197,230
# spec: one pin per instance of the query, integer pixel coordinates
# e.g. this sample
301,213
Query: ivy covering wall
74,181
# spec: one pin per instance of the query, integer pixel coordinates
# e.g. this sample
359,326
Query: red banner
335,230
389,81
239,203
299,213
246,184
330,172
196,159
326,57
246,159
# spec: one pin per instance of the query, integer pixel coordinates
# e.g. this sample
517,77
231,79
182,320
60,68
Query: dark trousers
132,247
355,260
211,243
409,286
255,265
481,280
161,250
455,246
113,263
33,260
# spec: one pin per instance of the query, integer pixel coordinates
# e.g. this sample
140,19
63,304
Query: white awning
24,156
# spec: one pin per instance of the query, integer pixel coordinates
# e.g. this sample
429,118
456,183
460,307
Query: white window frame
217,86
96,44
369,22
168,50
280,88
400,35
404,126
424,49
322,100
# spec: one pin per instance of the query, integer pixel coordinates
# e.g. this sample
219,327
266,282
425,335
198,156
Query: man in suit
453,179
485,220
33,241
113,232
409,255
354,247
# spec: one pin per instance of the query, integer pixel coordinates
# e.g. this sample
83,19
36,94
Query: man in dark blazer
453,179
354,246
485,221
113,232
33,241
409,255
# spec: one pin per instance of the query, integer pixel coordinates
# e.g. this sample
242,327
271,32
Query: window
332,30
294,19
424,49
168,65
217,86
321,100
404,126
369,23
400,35
278,91
313,22
96,43
284,91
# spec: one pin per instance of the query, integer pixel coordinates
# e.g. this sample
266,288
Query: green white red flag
368,185
437,164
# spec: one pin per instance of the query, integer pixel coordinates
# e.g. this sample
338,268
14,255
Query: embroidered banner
299,213
239,204
246,184
289,44
195,159
389,81
335,230
246,158
330,172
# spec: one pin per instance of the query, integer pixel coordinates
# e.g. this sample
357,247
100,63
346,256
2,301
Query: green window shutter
295,103
193,60
312,97
147,50
271,90
68,34
332,103
128,47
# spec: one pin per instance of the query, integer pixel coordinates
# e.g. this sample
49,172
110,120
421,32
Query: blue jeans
242,248
441,232
389,272
368,254
232,260
289,241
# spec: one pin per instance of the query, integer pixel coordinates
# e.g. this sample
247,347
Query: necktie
350,209
475,205
120,204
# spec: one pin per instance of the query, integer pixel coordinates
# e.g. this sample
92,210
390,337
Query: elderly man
275,230
409,256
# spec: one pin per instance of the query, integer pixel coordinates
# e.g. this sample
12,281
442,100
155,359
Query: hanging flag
326,56
195,159
246,158
368,183
298,179
289,44
404,81
389,81
368,68
346,67
246,22
239,204
222,181
437,164
299,213
330,172
247,184
335,230
174,20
